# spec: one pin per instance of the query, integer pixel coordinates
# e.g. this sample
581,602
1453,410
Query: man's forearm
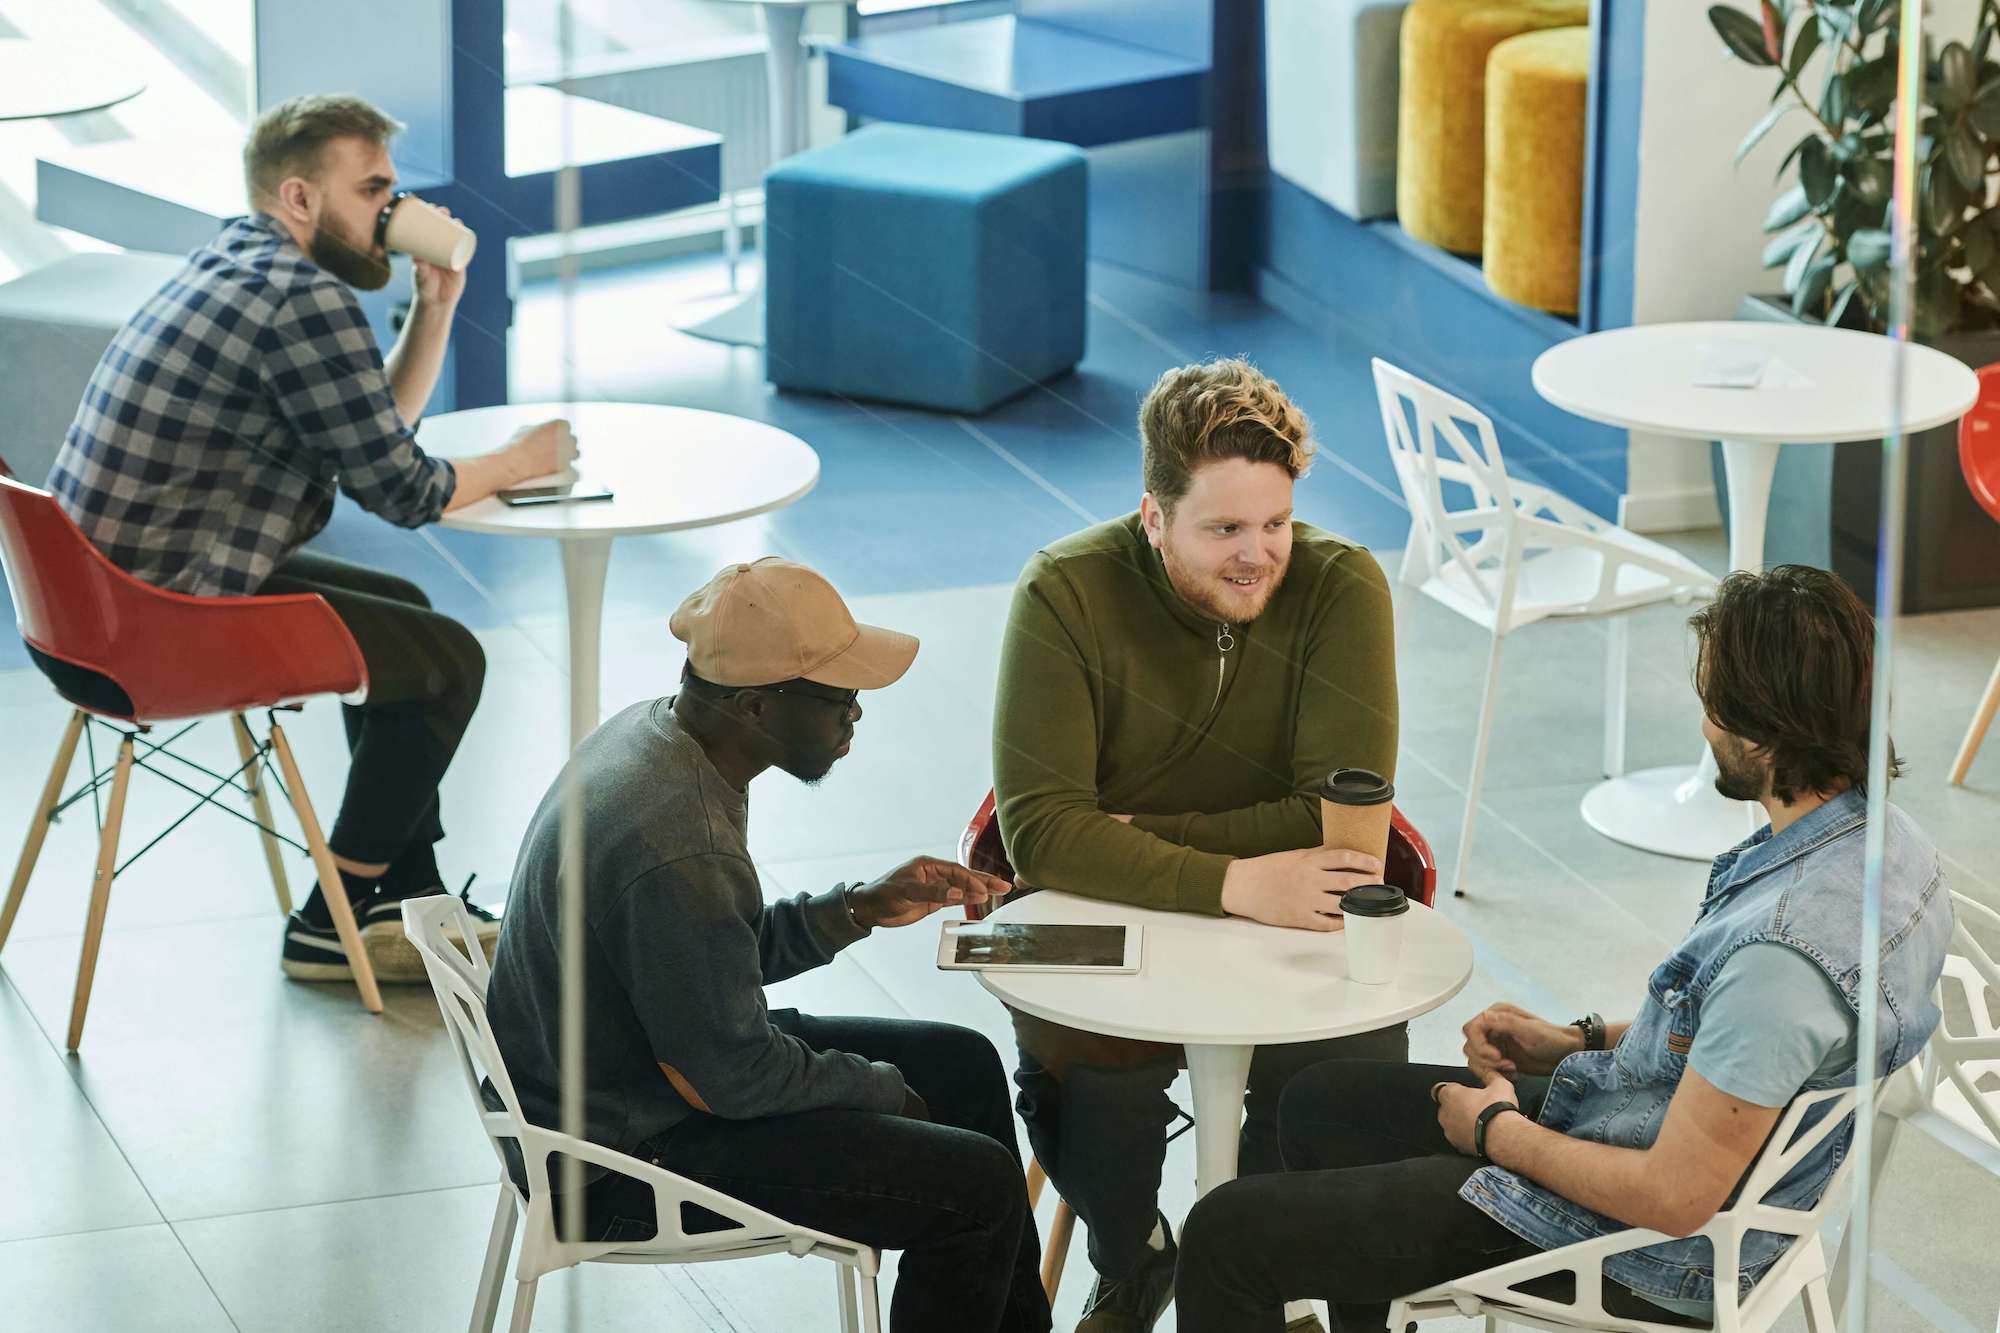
1618,1182
418,358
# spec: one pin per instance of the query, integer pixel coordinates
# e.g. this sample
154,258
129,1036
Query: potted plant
1834,66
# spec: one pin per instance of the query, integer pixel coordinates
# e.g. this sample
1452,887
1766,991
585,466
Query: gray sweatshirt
681,946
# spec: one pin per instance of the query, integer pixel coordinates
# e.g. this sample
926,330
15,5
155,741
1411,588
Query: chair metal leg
843,1293
1617,660
871,1304
524,1306
499,1244
260,805
1478,778
100,891
1975,735
1056,1253
38,828
329,875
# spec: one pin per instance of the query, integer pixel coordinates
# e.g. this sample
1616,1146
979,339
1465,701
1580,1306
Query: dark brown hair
1215,410
1785,661
288,139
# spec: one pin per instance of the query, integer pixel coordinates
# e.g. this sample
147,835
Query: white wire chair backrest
1436,440
460,976
1972,976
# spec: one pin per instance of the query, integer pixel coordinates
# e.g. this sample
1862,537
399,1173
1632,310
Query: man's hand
1504,1039
915,889
439,287
1459,1107
538,450
1299,889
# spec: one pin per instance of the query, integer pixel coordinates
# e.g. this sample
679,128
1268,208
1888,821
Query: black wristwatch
1592,1026
1486,1118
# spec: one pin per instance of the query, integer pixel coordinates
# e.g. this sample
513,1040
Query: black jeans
425,672
1368,1210
949,1194
1101,1132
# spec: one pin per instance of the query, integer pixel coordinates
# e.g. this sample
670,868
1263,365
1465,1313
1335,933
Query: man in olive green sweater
1174,686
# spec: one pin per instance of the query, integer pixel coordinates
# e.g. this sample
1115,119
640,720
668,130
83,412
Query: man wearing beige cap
894,1133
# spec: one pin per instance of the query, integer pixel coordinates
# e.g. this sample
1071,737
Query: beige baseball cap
774,620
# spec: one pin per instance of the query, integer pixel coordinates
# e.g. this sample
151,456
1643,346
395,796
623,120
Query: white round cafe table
42,77
741,320
1821,386
1222,987
668,469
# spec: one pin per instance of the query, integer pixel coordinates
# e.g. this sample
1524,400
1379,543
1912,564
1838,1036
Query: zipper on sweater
1224,641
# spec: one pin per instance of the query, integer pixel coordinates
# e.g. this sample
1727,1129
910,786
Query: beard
353,263
1205,591
1737,776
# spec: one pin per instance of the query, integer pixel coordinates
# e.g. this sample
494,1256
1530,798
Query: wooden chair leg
38,829
1989,704
260,806
1056,1253
100,891
1036,1179
329,879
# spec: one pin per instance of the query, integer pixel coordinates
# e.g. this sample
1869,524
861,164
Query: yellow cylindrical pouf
1441,129
1535,93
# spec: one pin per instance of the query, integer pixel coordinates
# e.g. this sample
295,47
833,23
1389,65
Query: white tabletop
1824,385
50,78
1225,981
668,467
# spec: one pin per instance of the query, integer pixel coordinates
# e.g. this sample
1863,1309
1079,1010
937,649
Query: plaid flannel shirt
224,413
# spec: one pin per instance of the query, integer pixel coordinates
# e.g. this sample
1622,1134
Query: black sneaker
1132,1304
394,958
313,952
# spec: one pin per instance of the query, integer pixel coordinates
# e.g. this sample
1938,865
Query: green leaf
1868,249
1779,248
1761,128
1792,156
1967,156
1871,86
1840,304
1835,23
1743,35
1872,13
1872,179
1786,209
1985,111
1833,103
1980,248
1803,47
1944,198
1956,72
1817,173
1983,42
1812,290
1802,258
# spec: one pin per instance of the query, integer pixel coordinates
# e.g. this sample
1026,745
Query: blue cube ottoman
925,266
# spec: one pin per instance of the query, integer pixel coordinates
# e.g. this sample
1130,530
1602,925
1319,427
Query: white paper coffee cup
1375,917
423,231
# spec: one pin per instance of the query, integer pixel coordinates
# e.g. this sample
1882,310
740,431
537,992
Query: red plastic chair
1409,866
1979,459
130,656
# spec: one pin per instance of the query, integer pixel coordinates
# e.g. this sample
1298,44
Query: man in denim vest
1555,1134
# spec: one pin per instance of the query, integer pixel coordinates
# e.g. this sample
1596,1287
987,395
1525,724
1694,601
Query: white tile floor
234,1151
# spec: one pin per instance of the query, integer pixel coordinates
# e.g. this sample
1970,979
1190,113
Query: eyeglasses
844,700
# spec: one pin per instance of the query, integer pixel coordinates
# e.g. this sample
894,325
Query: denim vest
1802,888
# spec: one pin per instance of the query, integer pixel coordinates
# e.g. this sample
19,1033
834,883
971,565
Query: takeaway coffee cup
423,231
1354,805
1375,915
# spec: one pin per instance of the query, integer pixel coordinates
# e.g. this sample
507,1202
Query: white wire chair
1799,1275
460,980
1512,554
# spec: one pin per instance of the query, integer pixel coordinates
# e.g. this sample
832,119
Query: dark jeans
1368,1210
949,1194
1100,1131
425,672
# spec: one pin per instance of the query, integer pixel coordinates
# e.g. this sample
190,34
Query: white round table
741,320
1223,987
1821,386
40,78
668,468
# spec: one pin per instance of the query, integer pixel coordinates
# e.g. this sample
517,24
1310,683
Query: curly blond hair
1223,408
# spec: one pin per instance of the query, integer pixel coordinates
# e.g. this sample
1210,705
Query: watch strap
1592,1027
1486,1118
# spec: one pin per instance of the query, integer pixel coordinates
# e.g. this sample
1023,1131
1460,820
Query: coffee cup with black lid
1375,915
1354,806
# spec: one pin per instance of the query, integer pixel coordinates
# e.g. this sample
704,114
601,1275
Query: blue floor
911,500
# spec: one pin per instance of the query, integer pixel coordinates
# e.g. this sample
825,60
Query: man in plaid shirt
207,449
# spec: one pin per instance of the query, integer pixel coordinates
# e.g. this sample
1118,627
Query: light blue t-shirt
1771,1021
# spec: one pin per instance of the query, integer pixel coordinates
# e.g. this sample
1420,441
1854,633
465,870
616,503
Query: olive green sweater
1116,697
